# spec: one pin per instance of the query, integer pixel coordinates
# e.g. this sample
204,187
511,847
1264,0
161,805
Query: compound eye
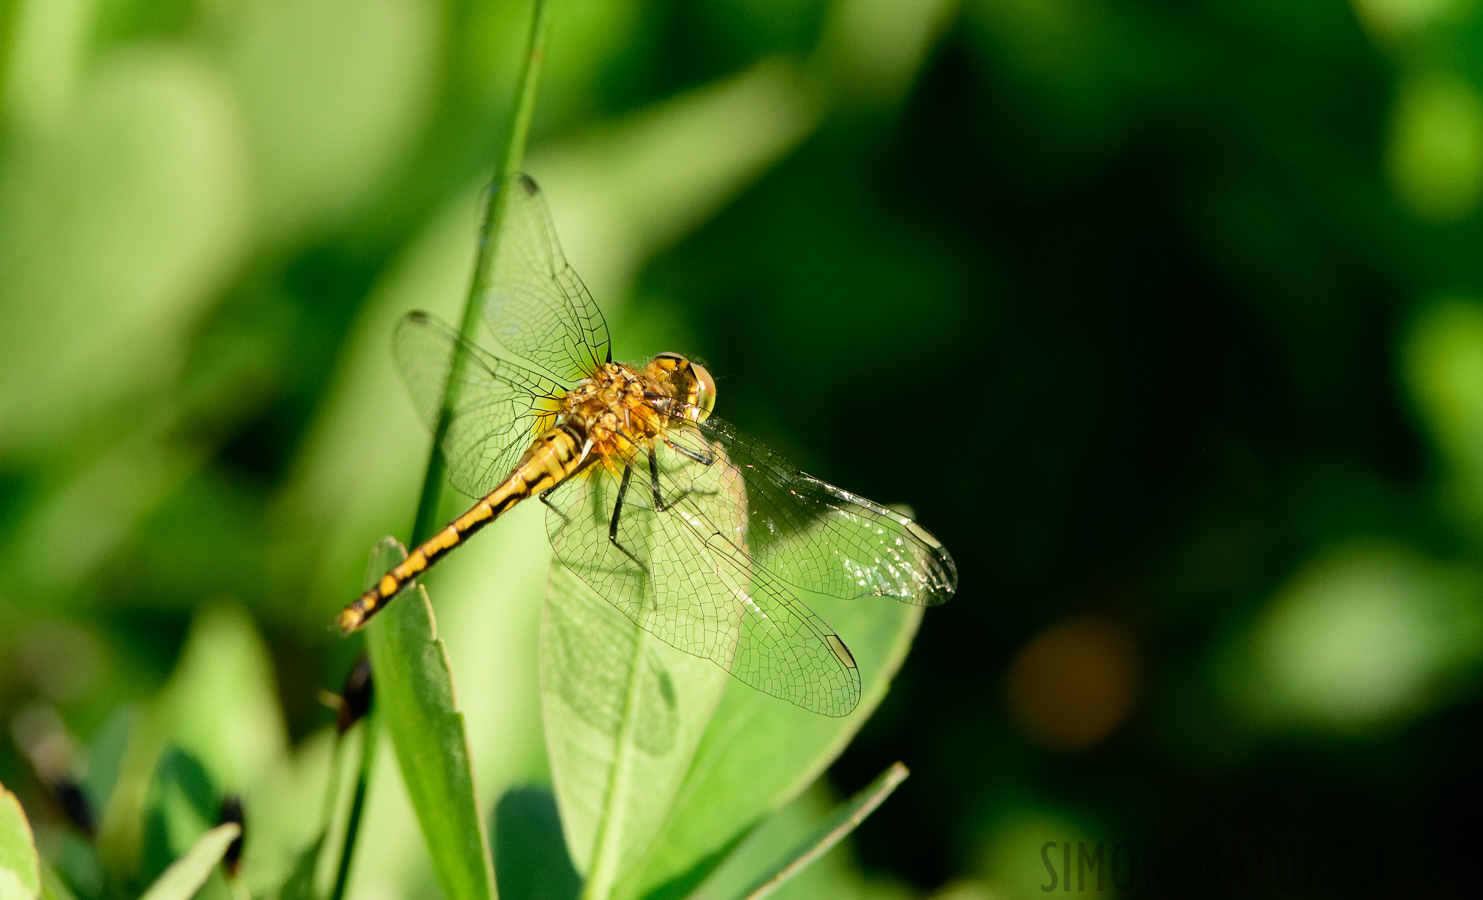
705,390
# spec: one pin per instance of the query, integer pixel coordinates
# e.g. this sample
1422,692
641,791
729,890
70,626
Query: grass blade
464,868
759,753
186,875
368,732
845,819
489,234
300,882
53,888
415,699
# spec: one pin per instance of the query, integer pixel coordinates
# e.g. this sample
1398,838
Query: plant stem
843,820
327,810
358,803
426,519
332,788
489,229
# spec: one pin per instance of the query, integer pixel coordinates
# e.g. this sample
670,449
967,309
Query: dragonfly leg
659,502
545,497
617,514
705,459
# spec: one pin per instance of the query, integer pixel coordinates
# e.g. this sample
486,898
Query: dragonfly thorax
615,410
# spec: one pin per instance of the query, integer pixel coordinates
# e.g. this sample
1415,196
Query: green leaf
300,882
644,804
72,866
843,820
758,753
773,841
53,888
530,858
106,752
333,92
121,832
186,875
221,704
20,870
414,694
183,804
12,888
221,710
122,223
624,713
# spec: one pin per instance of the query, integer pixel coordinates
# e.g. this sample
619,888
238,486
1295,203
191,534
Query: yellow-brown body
608,418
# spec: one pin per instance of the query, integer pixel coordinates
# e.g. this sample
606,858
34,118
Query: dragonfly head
686,381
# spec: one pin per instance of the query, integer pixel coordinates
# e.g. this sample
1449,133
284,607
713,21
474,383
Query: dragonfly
697,532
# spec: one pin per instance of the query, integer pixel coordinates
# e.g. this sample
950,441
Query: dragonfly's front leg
660,503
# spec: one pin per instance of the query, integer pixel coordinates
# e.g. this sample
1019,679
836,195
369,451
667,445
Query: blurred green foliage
1166,317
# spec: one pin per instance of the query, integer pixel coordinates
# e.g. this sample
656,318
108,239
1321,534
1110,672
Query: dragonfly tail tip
350,619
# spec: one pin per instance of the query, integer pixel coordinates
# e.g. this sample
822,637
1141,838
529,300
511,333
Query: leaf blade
757,753
186,875
415,694
844,819
17,844
53,887
623,710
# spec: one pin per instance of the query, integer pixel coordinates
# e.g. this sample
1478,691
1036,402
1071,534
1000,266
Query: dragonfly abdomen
553,456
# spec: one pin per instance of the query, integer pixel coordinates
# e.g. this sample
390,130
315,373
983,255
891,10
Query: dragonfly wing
535,304
678,568
822,538
498,407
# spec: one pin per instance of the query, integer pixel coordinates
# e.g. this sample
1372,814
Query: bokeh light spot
1442,365
1071,686
1388,19
1364,636
1435,157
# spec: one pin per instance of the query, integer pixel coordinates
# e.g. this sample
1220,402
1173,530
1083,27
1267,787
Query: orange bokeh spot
1074,684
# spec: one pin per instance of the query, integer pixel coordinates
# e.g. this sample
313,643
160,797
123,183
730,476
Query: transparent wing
498,409
588,648
535,305
821,538
677,566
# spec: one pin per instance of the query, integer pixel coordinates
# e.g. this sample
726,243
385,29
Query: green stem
332,788
489,230
327,808
426,519
358,803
